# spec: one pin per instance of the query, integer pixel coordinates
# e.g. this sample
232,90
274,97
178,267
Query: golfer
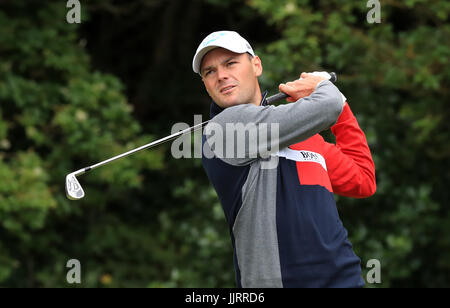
284,224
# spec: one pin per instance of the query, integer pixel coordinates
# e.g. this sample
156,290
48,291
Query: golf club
74,191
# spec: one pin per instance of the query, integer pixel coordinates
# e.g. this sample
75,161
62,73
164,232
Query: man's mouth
227,89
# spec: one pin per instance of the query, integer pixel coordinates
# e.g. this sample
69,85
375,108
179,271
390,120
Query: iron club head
74,191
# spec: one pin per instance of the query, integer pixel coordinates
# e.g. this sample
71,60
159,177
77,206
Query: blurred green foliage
72,95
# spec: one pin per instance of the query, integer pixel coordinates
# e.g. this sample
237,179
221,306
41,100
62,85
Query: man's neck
258,98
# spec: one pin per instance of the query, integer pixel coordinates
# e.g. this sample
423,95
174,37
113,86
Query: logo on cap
212,37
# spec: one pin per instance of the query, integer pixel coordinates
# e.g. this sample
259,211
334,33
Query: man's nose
222,74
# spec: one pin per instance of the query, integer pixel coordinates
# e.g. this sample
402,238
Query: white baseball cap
226,39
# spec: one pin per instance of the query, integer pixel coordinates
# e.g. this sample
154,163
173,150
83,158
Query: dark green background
72,95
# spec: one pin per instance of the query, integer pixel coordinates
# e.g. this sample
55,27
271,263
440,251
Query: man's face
231,78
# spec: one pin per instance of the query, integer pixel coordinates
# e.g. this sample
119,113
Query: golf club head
74,191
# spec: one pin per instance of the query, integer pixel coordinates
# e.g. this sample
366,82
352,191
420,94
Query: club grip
279,96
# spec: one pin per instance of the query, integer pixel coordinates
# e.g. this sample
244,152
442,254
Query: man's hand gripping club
301,87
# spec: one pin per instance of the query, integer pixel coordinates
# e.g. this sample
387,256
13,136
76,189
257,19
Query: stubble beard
241,98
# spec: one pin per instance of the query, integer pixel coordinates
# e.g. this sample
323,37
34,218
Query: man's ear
257,66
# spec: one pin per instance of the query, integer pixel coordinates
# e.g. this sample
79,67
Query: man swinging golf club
284,225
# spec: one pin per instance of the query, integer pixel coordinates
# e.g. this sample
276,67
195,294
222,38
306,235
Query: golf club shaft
270,100
141,148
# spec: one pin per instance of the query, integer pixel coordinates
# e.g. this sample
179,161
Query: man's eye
207,73
231,63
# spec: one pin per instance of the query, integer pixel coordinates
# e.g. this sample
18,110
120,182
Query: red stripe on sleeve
349,162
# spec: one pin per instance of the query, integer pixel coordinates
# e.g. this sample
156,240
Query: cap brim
199,56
